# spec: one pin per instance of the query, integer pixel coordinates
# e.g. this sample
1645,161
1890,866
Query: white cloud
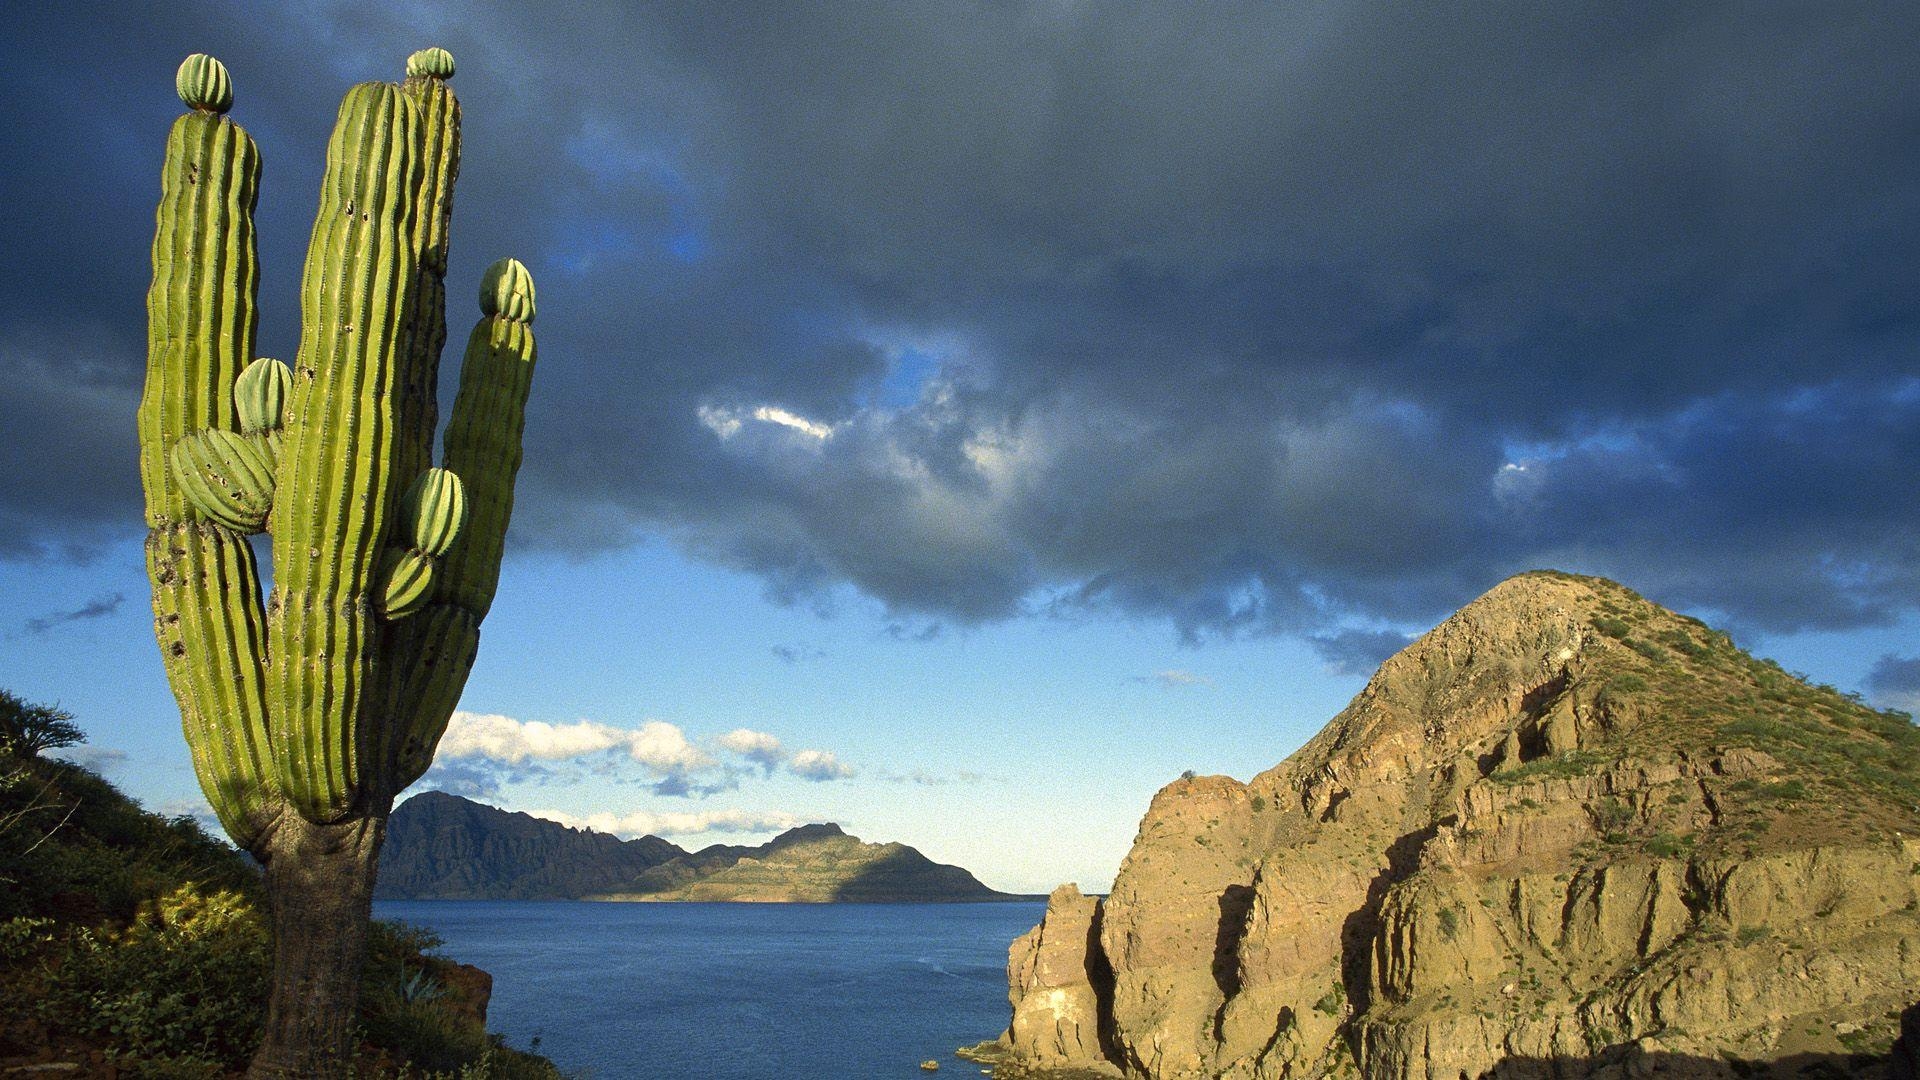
819,765
664,748
642,822
481,750
756,746
722,422
804,426
727,422
924,778
1519,480
515,742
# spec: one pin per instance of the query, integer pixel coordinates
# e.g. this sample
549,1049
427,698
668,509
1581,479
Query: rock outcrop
1565,833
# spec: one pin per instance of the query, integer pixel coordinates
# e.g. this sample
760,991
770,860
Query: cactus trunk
319,897
307,715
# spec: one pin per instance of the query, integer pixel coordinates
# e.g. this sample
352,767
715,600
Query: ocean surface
737,991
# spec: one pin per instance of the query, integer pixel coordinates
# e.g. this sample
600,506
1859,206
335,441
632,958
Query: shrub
1613,628
1682,642
1668,846
1332,1002
1571,763
186,981
1647,649
1612,815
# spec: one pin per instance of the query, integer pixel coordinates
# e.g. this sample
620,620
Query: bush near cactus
309,709
136,942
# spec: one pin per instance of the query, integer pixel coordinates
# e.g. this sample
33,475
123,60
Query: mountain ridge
447,847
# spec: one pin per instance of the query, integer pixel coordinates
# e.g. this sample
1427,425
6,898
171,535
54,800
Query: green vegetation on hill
137,942
1674,685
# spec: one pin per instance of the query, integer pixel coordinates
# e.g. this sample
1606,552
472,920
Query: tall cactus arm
200,308
201,318
416,406
332,497
483,435
483,449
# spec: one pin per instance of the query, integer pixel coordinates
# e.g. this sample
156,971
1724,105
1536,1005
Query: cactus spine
297,710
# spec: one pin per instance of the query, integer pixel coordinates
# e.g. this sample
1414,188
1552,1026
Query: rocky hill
1566,833
808,865
444,847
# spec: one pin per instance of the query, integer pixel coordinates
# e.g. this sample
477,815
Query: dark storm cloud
1357,652
1894,682
1257,321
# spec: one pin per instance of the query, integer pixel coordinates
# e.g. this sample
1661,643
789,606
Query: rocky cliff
444,847
1566,833
810,864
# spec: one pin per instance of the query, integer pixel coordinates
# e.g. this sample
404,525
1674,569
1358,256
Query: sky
955,420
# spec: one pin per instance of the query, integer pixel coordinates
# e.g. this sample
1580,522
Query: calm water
737,991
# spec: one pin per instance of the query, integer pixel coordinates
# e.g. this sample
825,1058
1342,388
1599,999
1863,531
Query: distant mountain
444,847
809,865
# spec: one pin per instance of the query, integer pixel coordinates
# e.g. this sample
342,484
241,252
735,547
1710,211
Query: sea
737,991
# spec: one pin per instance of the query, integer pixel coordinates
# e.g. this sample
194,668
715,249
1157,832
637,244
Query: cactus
308,713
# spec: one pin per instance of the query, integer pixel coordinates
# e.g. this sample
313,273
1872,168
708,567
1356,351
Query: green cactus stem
200,332
482,447
426,333
506,290
336,465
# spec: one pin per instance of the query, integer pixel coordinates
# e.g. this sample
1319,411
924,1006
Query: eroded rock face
1565,833
1060,987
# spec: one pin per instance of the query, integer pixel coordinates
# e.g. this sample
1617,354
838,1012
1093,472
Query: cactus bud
433,510
260,393
406,579
226,477
506,290
430,63
203,84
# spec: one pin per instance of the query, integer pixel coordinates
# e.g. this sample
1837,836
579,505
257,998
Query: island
445,847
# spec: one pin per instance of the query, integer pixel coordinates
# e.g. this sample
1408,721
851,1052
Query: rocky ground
1566,833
